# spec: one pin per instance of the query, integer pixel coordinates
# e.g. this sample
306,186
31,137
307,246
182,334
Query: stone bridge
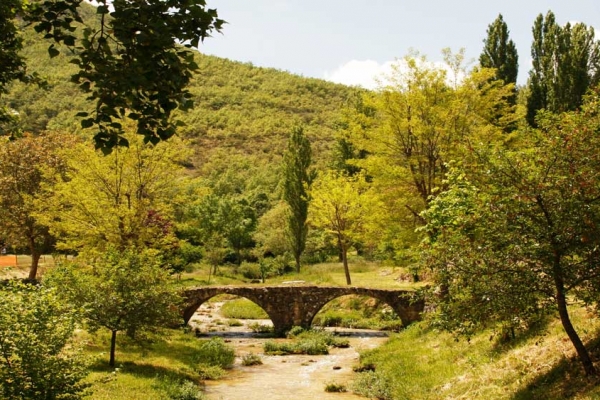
296,305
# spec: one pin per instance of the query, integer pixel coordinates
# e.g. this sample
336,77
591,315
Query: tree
126,290
22,165
37,357
297,180
566,62
13,66
425,117
133,60
357,117
343,206
121,200
533,231
499,52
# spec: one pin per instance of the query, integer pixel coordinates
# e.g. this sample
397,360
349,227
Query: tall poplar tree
500,52
566,62
297,179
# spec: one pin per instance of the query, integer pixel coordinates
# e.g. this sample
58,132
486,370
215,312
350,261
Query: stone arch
287,306
193,306
398,309
399,304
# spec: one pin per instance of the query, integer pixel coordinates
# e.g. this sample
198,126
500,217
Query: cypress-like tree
297,179
566,62
500,52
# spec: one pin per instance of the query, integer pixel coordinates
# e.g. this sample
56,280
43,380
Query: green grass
359,312
311,342
423,363
170,365
242,308
363,273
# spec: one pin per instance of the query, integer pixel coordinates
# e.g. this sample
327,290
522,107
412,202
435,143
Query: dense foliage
37,356
122,291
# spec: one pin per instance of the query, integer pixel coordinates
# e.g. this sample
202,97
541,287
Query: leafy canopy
133,60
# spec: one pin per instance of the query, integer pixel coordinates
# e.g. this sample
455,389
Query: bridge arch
289,306
348,305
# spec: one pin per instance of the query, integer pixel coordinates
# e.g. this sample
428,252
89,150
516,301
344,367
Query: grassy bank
165,368
363,273
423,363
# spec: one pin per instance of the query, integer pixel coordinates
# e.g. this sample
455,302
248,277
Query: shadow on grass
566,380
145,370
506,343
180,348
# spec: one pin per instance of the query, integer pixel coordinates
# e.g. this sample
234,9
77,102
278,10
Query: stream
280,377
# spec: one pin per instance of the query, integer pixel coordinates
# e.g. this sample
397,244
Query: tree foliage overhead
566,63
133,60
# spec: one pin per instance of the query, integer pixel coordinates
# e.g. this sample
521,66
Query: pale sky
351,41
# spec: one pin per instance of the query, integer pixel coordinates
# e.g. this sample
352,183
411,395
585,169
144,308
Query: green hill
240,108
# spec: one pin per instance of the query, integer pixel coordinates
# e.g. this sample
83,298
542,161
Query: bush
215,352
311,342
333,387
38,357
260,328
180,389
250,271
251,359
373,384
295,331
210,372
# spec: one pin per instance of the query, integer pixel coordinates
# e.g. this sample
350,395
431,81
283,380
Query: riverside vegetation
481,194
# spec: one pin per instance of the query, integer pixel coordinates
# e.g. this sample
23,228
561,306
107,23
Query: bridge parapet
297,305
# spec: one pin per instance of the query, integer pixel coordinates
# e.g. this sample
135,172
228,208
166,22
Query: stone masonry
297,305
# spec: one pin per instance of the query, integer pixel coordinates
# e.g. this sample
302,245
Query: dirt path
281,377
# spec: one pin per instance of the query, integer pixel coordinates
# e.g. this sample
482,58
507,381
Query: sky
353,41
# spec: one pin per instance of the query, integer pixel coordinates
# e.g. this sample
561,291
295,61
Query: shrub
260,328
215,352
180,389
373,384
311,342
251,359
250,270
38,357
210,372
295,331
333,387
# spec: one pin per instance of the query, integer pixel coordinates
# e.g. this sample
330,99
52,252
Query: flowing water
281,377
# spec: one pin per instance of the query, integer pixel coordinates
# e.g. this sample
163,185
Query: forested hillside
238,107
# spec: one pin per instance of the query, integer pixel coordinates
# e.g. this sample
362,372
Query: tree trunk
35,260
344,251
561,302
113,345
297,257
